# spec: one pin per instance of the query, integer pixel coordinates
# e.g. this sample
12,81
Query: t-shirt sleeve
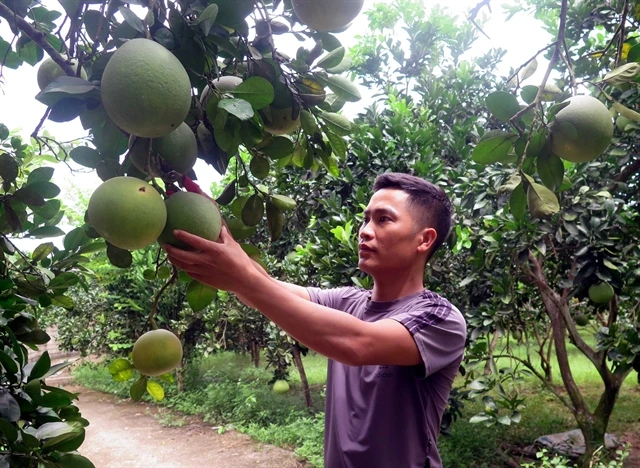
327,297
439,331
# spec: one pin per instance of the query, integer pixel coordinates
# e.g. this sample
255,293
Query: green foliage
39,424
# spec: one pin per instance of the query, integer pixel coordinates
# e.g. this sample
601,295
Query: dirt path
125,434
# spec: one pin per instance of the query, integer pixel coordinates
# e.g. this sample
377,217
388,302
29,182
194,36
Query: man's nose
366,232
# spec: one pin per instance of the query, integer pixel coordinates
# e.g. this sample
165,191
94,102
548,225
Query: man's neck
392,287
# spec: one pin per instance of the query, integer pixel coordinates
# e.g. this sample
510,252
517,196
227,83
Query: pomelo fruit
601,293
157,352
128,212
145,89
622,122
582,130
327,15
193,213
280,387
178,149
280,121
582,320
223,84
50,70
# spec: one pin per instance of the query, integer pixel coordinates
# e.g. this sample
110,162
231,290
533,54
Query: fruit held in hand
145,89
327,15
176,151
280,387
50,70
582,130
601,293
128,212
193,213
157,352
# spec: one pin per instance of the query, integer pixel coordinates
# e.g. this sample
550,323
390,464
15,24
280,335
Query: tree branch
552,63
515,73
36,36
625,11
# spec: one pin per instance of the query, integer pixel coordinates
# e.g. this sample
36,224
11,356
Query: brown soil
126,434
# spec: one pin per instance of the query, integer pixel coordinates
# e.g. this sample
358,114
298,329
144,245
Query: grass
227,390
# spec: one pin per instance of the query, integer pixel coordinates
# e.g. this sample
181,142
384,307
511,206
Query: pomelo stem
154,307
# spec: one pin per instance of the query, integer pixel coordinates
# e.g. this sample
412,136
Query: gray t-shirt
389,416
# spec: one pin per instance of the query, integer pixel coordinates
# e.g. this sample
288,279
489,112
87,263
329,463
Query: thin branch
34,134
36,36
625,11
515,74
552,63
154,307
473,13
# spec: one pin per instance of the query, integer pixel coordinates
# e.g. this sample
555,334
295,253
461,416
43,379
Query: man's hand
222,264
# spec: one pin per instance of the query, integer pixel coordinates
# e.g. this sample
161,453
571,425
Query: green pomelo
128,212
280,121
280,387
582,320
157,352
178,149
622,122
145,89
601,293
224,84
193,213
582,130
50,70
327,15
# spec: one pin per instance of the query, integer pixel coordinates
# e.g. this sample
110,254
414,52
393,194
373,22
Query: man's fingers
188,267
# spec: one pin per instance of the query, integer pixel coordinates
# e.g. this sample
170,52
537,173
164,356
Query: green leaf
518,202
199,295
72,460
29,197
238,107
634,53
336,122
343,88
53,429
503,105
259,167
338,145
131,19
228,194
43,174
85,156
275,220
119,257
40,368
66,442
256,91
283,202
551,171
76,238
332,59
46,231
64,87
622,74
541,201
121,370
49,210
42,251
494,148
155,390
253,211
8,168
93,247
64,281
239,230
278,147
9,430
46,189
308,121
207,18
9,407
63,301
8,363
138,388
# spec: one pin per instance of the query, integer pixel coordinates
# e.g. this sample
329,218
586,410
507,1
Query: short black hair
430,204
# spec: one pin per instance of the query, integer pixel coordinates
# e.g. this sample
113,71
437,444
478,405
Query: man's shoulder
435,309
343,294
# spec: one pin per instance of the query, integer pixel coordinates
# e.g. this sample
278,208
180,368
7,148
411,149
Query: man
393,351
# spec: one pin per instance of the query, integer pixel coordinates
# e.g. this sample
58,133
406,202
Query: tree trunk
303,375
255,353
492,347
180,371
545,362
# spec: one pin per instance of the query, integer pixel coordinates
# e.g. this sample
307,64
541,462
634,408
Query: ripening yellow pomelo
157,352
280,122
193,213
145,89
582,130
178,149
280,387
327,15
50,70
128,212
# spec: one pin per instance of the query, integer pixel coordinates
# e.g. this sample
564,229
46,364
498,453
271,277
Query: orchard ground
228,392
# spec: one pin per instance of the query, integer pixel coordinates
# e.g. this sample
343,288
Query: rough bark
297,359
492,347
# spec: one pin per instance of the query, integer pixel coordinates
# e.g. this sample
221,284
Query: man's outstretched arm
293,288
337,335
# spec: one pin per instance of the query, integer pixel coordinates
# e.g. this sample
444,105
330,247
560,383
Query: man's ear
428,237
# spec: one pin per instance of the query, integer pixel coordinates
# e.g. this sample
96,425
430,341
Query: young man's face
389,238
